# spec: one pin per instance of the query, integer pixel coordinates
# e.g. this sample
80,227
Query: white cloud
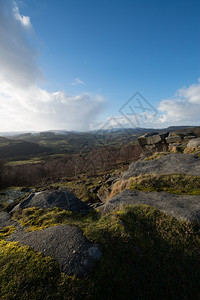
23,104
24,20
78,81
37,109
184,108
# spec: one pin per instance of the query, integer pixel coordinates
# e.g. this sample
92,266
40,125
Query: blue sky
87,58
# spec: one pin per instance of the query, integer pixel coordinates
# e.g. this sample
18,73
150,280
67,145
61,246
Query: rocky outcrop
50,199
152,142
173,141
184,207
151,138
169,164
66,244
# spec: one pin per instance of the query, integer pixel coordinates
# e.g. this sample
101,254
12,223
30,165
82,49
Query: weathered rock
173,139
49,199
185,207
5,220
194,143
149,138
153,142
66,244
169,164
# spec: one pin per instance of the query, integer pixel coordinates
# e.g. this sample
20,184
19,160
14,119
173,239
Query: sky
83,65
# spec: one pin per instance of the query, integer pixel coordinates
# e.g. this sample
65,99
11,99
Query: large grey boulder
151,138
50,199
184,207
66,244
194,143
169,164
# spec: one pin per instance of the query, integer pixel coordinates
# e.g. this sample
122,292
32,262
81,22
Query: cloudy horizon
25,105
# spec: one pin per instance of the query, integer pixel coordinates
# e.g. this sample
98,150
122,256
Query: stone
50,199
173,139
170,164
182,207
149,139
5,220
194,143
75,254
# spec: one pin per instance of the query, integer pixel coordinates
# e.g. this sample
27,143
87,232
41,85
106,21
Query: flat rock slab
50,199
5,220
66,244
184,207
169,164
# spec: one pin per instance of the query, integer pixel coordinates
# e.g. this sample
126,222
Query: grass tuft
156,155
180,184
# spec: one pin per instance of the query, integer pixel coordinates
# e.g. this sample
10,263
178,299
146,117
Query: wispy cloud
23,104
24,20
184,108
78,81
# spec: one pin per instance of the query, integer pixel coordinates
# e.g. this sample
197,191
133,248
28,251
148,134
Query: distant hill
10,148
71,142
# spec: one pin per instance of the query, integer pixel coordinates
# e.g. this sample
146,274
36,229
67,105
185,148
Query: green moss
172,183
37,219
146,254
25,274
6,232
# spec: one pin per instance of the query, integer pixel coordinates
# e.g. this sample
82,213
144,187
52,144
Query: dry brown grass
180,184
118,187
157,155
189,150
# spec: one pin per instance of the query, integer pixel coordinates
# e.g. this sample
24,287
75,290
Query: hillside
123,223
73,142
10,148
